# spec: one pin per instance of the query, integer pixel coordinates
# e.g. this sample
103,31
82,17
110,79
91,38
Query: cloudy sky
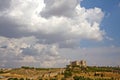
50,33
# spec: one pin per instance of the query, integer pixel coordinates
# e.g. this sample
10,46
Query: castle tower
83,63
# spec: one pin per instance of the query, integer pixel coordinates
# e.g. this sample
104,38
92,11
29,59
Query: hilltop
76,70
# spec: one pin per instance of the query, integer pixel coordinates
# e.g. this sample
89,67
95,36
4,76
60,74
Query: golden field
74,73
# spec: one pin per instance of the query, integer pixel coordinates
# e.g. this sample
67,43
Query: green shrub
21,78
67,74
53,79
13,79
81,78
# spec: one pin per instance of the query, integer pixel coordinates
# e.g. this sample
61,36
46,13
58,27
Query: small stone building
81,63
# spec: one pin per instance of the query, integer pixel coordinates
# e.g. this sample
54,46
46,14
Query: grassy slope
89,72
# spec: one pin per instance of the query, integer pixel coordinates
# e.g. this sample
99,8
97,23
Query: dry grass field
32,74
75,73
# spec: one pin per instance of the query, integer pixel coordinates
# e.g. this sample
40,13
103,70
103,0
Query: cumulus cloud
50,23
59,8
28,20
26,51
4,4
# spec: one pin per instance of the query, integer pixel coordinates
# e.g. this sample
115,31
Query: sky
51,33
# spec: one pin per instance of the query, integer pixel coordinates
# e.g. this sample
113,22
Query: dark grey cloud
4,4
59,8
8,28
29,51
40,51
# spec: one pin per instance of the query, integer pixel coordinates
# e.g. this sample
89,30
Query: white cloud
28,59
27,51
51,25
109,38
119,4
84,23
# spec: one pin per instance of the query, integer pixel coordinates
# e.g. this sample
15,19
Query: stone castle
81,63
78,63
